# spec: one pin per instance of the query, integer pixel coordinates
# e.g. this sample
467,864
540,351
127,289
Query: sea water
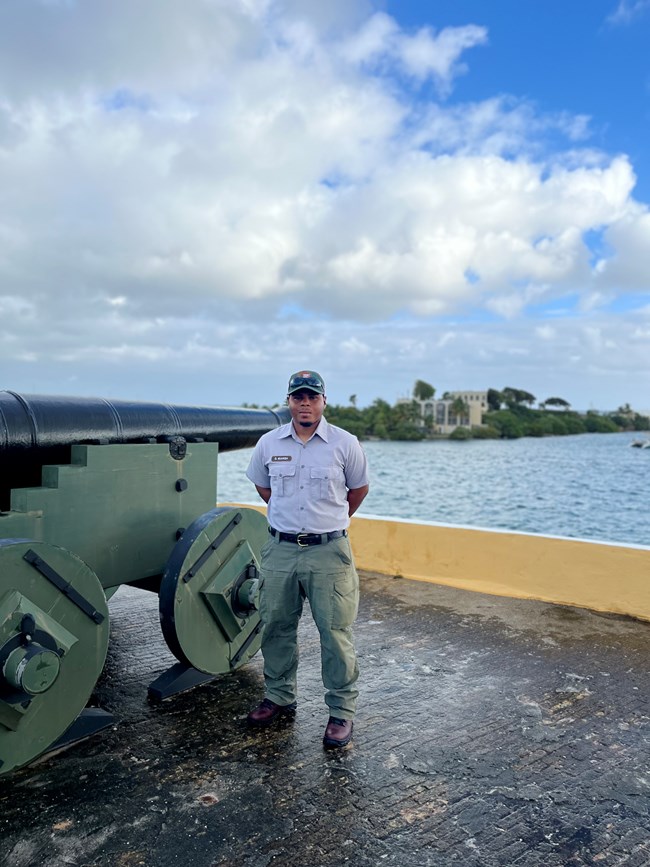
589,486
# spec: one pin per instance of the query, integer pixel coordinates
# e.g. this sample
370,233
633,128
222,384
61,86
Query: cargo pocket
345,599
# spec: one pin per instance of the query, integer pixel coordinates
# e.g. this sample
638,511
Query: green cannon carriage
95,494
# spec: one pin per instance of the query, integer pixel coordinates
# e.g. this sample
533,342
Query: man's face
306,407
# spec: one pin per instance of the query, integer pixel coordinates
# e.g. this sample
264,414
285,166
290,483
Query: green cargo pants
326,576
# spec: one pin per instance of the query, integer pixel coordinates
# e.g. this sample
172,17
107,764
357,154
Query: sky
200,197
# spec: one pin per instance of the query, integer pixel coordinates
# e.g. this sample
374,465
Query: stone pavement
491,732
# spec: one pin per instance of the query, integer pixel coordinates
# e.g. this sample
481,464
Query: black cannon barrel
30,421
36,430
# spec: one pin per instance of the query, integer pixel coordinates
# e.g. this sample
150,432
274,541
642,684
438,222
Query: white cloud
355,348
373,40
422,55
427,54
500,125
627,10
629,266
222,182
545,332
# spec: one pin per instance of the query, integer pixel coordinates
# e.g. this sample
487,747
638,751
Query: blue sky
580,56
199,198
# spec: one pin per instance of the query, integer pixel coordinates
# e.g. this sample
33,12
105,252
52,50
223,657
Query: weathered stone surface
491,733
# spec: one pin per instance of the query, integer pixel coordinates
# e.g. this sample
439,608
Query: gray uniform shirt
309,481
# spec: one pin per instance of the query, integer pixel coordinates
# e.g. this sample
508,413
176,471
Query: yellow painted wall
594,575
614,578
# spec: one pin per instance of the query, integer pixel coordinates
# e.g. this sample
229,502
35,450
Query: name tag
279,458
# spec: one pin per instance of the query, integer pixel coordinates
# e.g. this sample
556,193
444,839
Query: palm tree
458,412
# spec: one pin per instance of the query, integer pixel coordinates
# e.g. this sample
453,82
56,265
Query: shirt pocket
328,483
283,481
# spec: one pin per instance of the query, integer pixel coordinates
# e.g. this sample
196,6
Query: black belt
306,539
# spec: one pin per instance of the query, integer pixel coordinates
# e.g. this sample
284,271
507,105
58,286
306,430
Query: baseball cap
306,380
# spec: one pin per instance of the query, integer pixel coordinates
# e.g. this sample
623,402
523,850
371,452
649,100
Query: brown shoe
267,711
338,733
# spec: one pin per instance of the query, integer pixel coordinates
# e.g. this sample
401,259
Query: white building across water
455,409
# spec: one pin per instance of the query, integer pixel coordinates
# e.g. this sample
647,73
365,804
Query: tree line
510,414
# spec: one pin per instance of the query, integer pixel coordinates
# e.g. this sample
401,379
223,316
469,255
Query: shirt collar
322,430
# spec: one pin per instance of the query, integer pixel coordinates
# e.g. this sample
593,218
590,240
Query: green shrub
546,425
405,431
506,423
460,433
541,427
485,432
558,428
599,424
573,424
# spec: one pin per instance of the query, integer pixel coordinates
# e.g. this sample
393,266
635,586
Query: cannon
95,494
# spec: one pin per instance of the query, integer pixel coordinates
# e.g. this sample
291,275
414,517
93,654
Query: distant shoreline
404,422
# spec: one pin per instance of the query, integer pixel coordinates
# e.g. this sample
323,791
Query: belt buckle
302,544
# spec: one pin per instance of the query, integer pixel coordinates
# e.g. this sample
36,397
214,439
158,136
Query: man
313,476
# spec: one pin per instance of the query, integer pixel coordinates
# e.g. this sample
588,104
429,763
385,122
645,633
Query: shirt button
301,487
302,508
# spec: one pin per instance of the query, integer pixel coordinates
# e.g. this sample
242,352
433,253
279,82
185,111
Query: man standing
313,476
